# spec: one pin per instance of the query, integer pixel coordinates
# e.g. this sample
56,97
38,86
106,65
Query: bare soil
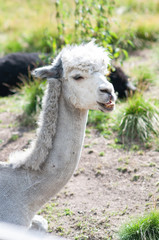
110,185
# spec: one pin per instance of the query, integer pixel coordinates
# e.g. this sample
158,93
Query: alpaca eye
78,77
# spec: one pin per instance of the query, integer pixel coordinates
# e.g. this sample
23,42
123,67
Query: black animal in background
121,82
16,65
13,66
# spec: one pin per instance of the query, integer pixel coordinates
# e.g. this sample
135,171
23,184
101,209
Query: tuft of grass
14,137
101,154
33,92
122,169
68,212
139,120
142,228
135,178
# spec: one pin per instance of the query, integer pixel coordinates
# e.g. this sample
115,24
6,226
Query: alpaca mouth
109,106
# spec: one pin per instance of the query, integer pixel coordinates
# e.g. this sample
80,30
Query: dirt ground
110,185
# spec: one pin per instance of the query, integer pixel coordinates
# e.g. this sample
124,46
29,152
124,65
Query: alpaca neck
69,136
63,157
24,192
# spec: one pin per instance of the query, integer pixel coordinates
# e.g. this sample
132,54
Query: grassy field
29,25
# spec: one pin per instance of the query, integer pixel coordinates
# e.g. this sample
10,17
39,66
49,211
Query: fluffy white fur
38,152
76,83
86,57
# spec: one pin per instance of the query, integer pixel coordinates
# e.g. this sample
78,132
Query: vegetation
145,77
142,228
33,92
100,121
31,26
139,120
91,20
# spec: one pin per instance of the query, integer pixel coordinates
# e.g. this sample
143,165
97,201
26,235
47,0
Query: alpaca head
81,70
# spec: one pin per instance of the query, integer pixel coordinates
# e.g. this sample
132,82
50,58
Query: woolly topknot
86,57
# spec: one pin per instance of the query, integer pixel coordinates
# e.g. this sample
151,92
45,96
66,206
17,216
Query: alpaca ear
52,71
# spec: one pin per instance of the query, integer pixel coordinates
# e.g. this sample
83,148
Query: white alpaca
76,83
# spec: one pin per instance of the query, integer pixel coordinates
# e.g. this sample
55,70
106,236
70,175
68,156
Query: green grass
31,95
139,120
101,121
142,228
28,26
134,33
149,30
80,224
19,21
14,137
39,40
33,92
140,6
144,76
31,25
12,104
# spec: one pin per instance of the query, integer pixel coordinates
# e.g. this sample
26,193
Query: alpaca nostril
109,92
105,91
